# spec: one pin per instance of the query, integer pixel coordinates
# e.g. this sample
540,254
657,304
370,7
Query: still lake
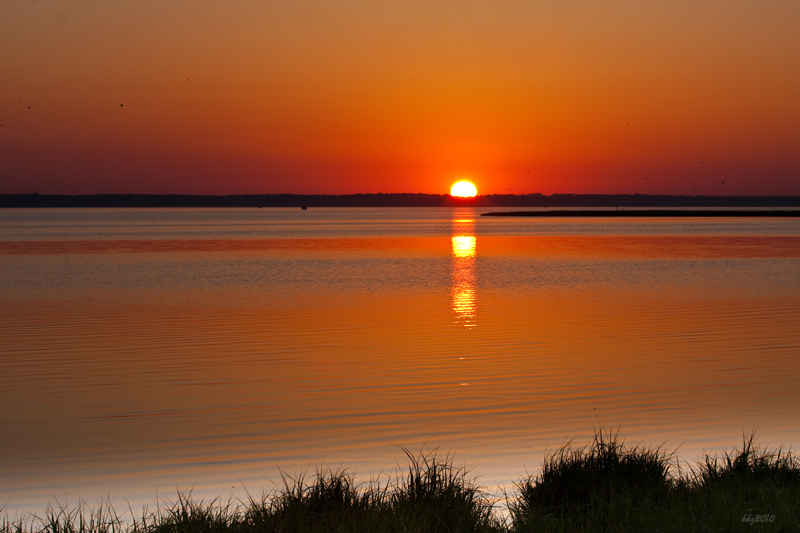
145,351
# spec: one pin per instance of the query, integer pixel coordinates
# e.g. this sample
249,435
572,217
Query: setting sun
463,189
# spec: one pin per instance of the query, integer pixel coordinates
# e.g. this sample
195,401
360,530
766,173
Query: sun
464,189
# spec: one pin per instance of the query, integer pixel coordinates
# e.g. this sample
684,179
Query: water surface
148,350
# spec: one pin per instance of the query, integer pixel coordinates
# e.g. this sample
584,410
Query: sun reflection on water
463,289
464,246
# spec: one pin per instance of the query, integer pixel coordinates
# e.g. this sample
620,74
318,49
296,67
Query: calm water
148,350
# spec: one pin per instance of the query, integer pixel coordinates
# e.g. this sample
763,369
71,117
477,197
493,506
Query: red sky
306,96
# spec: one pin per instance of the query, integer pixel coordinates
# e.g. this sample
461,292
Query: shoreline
484,201
650,213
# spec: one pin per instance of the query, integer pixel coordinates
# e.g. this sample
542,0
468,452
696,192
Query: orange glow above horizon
463,189
323,98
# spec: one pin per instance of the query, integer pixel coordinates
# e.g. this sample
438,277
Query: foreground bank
605,485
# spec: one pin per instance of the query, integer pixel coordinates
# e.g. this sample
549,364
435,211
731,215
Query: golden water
145,351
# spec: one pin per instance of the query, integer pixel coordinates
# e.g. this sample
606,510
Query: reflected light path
463,289
212,350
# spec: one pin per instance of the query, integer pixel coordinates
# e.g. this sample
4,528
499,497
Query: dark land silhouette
391,200
660,213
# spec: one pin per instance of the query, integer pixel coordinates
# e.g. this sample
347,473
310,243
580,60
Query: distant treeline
391,200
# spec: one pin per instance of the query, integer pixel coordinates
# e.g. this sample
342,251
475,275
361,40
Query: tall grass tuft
609,486
747,483
63,519
185,515
437,496
332,501
591,487
574,476
433,495
751,465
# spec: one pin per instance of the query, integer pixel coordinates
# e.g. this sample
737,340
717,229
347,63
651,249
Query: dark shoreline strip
649,213
487,201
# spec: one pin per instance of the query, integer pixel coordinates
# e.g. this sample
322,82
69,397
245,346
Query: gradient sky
343,96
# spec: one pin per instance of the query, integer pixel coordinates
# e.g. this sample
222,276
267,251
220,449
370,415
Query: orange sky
344,96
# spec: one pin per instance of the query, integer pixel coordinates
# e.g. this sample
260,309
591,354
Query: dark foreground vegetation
604,486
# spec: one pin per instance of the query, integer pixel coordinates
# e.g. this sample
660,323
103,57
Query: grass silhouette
604,485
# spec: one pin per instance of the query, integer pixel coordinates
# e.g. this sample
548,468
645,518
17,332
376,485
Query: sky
348,96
